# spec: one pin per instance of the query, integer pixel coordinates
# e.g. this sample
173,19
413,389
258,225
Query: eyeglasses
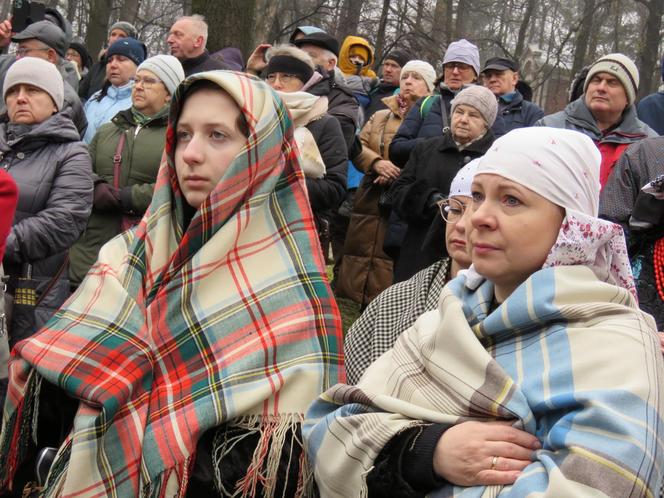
461,66
146,81
284,78
451,210
23,51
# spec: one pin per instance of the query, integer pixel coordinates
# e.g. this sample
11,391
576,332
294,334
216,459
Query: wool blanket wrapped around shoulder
567,357
182,327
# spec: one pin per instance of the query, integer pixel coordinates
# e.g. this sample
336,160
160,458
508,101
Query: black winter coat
341,104
93,81
430,170
519,113
416,128
328,192
201,63
377,93
53,171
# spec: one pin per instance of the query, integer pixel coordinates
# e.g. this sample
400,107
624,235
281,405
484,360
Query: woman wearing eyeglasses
397,308
136,136
426,178
290,71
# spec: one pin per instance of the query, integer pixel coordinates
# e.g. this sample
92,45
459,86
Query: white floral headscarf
563,167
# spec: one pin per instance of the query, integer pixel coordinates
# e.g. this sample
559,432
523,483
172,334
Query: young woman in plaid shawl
189,353
538,374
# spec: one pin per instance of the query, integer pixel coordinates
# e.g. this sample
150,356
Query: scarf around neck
179,329
305,108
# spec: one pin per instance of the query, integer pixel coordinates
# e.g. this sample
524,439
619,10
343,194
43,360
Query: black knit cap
289,65
322,40
401,57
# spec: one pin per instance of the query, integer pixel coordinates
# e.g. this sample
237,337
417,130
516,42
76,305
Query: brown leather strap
117,161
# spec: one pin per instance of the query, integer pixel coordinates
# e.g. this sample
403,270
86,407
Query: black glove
106,198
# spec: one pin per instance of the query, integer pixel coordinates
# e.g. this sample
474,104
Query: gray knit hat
39,73
463,51
620,66
125,26
167,68
482,99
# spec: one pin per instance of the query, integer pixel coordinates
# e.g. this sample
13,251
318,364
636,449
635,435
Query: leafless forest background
552,39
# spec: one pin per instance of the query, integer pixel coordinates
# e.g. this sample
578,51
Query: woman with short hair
41,149
426,178
126,154
366,269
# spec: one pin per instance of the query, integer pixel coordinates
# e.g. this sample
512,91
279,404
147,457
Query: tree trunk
583,36
97,34
349,19
648,54
461,28
523,29
448,22
231,23
380,37
437,34
129,10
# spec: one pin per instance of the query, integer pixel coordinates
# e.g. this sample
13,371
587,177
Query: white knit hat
620,66
36,72
424,69
165,67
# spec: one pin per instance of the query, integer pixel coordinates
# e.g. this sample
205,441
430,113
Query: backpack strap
425,107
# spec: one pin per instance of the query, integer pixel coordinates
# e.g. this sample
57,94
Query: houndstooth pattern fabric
392,312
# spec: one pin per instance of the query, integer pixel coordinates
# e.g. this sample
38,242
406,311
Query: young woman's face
512,230
208,140
456,231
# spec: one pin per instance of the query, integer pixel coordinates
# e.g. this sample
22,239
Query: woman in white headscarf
537,374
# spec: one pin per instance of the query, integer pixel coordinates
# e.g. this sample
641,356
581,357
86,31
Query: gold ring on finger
494,462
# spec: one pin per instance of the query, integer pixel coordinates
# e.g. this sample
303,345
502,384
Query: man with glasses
44,40
123,189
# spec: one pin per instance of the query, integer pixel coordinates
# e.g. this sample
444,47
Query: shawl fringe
15,443
277,432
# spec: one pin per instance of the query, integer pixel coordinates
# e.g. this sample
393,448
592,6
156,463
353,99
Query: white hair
199,23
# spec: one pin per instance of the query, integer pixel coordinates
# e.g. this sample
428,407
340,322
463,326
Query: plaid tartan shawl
569,358
178,330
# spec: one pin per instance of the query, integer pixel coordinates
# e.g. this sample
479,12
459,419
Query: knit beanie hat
401,57
288,64
130,48
129,29
424,69
39,73
620,66
165,67
463,51
481,98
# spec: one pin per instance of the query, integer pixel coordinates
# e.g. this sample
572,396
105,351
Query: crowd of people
165,225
